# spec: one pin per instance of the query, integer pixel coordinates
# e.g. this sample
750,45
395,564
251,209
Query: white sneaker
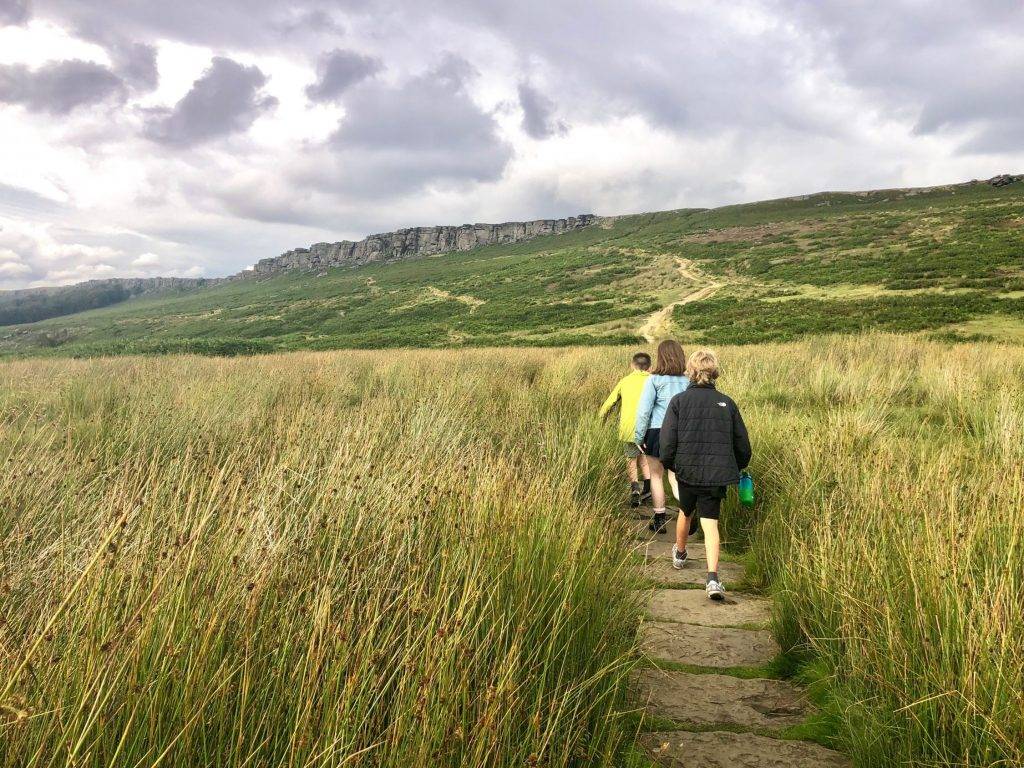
715,590
678,558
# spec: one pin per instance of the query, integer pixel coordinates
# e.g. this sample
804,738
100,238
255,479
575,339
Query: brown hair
671,359
703,367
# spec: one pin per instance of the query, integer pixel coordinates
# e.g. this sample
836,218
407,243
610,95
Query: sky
193,138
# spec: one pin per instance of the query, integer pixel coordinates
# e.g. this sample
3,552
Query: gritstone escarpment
414,242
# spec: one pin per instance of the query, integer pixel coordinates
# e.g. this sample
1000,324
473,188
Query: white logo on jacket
722,404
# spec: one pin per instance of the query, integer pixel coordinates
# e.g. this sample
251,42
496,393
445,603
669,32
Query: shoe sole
718,597
678,565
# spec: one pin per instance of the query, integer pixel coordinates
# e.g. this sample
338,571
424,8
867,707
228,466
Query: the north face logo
722,404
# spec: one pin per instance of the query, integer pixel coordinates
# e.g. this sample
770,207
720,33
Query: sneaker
645,497
635,499
678,558
657,525
715,590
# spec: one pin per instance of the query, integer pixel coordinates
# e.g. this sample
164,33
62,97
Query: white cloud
146,260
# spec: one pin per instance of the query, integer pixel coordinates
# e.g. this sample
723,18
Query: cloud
20,200
234,24
14,12
538,113
227,99
395,139
146,260
338,71
136,64
911,58
59,87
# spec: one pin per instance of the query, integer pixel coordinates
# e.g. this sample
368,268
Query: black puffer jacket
703,438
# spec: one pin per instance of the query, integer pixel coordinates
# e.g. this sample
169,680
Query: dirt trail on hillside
716,715
659,324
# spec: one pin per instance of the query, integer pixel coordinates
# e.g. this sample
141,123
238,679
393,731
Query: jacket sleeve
612,399
644,409
740,439
670,434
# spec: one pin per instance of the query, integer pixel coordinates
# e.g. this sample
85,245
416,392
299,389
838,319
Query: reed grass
890,532
416,558
312,560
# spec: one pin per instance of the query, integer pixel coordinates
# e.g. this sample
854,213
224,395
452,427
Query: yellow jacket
628,391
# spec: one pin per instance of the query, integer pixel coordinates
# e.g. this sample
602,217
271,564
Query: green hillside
948,261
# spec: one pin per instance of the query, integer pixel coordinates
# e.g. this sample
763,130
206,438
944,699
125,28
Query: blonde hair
702,367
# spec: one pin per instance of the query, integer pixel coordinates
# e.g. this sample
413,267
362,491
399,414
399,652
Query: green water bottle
746,489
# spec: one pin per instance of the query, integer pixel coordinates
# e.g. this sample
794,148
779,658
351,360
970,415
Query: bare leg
712,542
682,531
631,469
645,469
657,483
673,484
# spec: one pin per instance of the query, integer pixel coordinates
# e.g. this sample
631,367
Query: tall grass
398,559
892,532
386,560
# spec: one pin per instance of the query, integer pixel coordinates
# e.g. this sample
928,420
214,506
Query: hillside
948,261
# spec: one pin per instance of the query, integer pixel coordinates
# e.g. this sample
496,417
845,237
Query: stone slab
694,572
654,549
718,749
707,646
691,606
643,532
706,699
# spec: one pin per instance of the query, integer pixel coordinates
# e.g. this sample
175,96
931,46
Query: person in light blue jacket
665,382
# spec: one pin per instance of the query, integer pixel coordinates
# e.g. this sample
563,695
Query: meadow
403,558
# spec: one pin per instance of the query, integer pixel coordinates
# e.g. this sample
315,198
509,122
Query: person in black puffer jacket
705,442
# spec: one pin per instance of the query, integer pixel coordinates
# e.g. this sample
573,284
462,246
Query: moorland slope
946,261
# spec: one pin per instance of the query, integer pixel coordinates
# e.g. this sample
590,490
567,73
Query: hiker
667,379
627,395
704,441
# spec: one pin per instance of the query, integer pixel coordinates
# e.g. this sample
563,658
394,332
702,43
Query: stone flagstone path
709,717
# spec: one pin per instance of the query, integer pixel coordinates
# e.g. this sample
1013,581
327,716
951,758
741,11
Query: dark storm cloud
226,99
397,138
338,71
538,113
58,87
14,12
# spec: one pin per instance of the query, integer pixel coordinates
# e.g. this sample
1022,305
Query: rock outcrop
413,242
1005,179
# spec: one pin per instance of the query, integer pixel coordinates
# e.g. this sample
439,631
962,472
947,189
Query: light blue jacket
657,392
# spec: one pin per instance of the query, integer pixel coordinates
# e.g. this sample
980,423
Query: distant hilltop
413,242
27,305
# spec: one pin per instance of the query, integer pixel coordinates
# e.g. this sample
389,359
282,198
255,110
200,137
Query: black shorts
652,443
706,500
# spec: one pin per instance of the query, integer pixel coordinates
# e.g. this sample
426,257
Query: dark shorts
706,500
652,443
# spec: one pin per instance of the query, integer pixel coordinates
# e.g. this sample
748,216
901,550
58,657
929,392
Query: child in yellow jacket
627,394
